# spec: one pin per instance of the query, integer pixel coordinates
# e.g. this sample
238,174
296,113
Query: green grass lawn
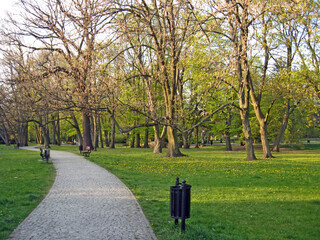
24,182
230,198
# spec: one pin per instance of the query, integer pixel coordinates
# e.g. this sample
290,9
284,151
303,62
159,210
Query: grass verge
24,182
231,198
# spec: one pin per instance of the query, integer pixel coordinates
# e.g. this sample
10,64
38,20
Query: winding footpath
85,202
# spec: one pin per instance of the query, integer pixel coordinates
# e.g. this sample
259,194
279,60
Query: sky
6,5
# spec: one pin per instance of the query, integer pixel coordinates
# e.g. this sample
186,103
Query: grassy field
24,181
231,198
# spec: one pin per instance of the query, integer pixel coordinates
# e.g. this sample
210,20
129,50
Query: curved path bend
85,202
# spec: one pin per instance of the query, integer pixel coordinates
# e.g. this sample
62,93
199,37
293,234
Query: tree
69,28
167,25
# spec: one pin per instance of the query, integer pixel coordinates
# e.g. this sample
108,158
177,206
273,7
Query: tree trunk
86,130
227,132
4,135
247,135
185,140
113,132
228,143
265,141
202,138
263,128
157,140
197,137
76,126
54,131
138,140
58,130
25,134
132,141
46,140
95,132
106,135
100,132
173,145
38,134
287,112
146,138
285,119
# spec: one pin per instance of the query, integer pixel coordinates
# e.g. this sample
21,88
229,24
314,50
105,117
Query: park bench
45,154
86,152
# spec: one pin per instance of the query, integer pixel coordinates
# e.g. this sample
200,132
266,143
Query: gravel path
85,202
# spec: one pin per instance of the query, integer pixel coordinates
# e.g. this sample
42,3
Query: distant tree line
171,71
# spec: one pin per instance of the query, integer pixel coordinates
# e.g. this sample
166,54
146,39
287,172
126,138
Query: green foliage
24,182
231,198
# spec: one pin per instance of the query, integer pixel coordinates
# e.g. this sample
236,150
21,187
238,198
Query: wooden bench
86,152
45,154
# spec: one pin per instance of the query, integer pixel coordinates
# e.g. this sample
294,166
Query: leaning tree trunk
263,128
264,140
76,126
4,135
157,140
284,124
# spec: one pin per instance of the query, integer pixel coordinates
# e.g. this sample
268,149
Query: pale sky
6,5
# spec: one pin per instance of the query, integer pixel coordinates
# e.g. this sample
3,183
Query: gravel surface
85,202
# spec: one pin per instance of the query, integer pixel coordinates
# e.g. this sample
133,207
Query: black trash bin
180,198
47,154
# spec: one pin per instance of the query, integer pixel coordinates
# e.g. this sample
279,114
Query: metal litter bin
180,198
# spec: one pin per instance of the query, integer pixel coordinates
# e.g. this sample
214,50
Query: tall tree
69,28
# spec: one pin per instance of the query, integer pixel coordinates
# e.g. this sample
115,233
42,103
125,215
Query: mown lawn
24,182
231,198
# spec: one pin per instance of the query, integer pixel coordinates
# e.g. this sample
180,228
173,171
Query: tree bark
44,130
283,127
227,133
106,135
138,140
4,135
263,128
76,126
173,145
146,138
185,139
54,131
58,130
157,140
197,137
100,132
86,129
95,132
113,132
247,135
132,141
